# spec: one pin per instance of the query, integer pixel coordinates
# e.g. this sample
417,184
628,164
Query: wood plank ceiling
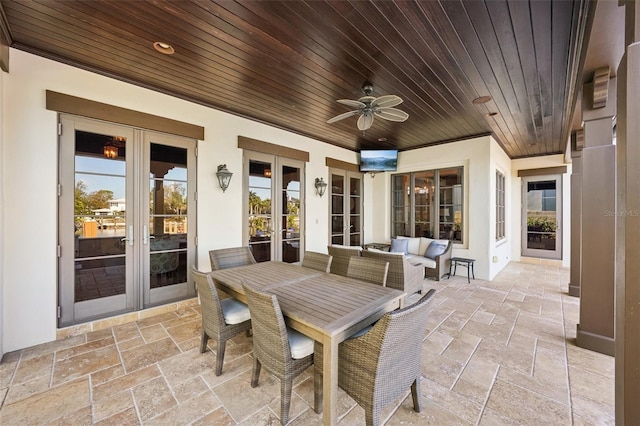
287,62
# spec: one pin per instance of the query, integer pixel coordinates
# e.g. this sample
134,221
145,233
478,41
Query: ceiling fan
369,107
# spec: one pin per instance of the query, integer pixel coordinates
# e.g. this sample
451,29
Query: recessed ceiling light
164,48
481,100
382,139
492,114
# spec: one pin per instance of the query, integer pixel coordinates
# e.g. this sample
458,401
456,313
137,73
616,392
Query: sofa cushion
399,245
435,249
421,260
413,246
375,250
424,245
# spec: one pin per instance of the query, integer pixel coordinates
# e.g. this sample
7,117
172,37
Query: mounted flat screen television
378,160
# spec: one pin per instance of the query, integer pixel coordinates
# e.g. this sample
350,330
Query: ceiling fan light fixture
164,48
368,107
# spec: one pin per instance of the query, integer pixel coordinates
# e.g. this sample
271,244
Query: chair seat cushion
234,311
424,261
301,345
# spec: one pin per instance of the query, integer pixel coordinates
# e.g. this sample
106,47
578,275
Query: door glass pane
541,215
400,205
167,215
337,209
260,220
290,220
451,204
99,216
355,205
424,193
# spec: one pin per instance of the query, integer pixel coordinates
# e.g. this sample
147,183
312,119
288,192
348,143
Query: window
428,204
500,216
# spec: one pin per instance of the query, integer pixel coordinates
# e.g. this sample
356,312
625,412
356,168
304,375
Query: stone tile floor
499,352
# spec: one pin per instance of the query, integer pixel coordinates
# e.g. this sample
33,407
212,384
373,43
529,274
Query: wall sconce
224,176
321,186
110,151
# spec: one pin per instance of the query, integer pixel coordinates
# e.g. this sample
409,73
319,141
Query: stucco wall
500,251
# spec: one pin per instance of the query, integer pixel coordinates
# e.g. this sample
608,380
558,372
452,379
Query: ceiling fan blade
343,115
351,103
365,121
366,100
386,101
392,114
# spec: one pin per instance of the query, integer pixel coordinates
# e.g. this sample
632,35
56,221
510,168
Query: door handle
129,239
145,235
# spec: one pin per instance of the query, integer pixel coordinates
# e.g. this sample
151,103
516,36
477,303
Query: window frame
409,209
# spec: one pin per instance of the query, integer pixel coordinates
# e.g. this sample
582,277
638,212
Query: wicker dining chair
230,257
370,270
318,261
283,352
341,255
221,319
377,367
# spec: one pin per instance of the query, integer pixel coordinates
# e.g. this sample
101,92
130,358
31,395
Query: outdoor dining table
326,307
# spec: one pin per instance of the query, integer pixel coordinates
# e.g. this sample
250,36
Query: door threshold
101,324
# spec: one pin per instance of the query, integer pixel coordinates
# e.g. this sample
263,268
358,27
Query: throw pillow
434,250
399,245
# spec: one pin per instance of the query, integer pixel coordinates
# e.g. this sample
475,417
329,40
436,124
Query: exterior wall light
321,186
224,176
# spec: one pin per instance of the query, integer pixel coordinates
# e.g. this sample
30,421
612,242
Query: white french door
126,219
346,207
273,206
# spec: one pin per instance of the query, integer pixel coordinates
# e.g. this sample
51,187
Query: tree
80,199
99,199
175,201
85,203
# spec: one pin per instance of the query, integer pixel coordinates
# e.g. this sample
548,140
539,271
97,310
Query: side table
378,246
467,263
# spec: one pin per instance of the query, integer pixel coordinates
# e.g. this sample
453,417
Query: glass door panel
355,209
290,216
99,218
424,193
346,208
166,233
451,204
541,217
260,216
400,205
95,228
337,209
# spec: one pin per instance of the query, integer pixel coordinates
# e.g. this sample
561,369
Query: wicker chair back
230,257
